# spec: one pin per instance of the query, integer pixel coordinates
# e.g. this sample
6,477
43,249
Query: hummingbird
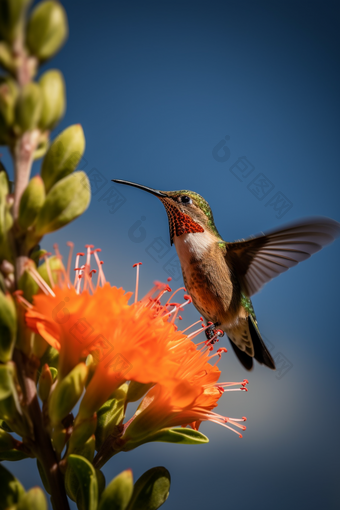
221,276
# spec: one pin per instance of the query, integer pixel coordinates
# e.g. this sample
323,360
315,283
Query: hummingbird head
188,212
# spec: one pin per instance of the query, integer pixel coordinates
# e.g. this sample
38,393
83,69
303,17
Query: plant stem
27,370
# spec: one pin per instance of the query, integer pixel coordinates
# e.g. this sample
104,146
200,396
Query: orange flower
188,399
137,342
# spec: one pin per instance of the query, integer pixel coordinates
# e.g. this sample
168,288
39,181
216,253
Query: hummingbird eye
186,200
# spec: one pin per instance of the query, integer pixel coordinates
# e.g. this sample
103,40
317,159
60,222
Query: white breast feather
193,245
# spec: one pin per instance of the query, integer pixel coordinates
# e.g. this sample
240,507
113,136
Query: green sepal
54,100
28,286
175,435
45,382
66,393
117,494
11,18
67,200
87,493
47,29
82,430
151,490
13,455
38,345
28,107
63,155
11,489
137,390
110,415
34,499
8,326
31,202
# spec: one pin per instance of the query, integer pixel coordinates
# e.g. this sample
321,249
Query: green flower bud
47,29
67,200
109,417
51,357
86,449
6,441
82,430
53,91
86,488
31,202
8,98
151,490
45,382
10,410
59,438
11,18
63,156
28,107
67,393
117,494
8,326
5,217
11,489
6,58
33,499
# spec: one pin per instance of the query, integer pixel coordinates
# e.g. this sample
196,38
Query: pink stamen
137,279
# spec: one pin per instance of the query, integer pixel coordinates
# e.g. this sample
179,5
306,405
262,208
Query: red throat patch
180,223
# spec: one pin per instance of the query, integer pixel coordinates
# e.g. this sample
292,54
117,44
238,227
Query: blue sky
157,86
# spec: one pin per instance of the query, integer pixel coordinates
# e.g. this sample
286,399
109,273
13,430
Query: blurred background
238,101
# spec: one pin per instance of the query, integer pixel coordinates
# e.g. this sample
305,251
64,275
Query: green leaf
43,477
151,490
67,200
117,494
67,393
175,435
11,489
13,455
87,495
34,499
47,29
63,155
109,416
6,441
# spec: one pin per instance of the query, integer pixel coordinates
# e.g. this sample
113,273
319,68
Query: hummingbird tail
247,344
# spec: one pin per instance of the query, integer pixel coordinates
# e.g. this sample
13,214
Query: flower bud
47,29
82,430
53,92
10,410
6,441
11,18
28,107
118,493
151,490
8,97
8,326
67,393
59,437
34,498
67,200
45,383
31,202
63,156
110,415
6,58
11,489
6,219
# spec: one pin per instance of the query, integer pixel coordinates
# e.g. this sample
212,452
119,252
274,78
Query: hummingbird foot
213,335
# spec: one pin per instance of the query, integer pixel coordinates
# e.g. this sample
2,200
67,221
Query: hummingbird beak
155,192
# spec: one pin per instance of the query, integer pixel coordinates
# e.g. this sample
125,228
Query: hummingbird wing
260,258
